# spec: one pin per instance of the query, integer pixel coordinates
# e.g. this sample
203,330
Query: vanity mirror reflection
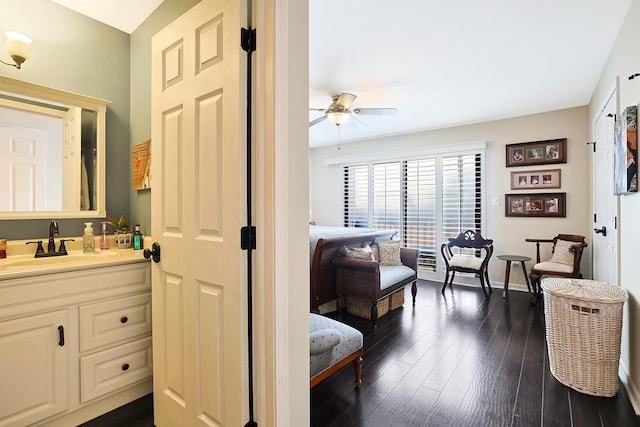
52,152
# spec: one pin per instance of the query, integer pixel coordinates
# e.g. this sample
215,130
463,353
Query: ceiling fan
339,111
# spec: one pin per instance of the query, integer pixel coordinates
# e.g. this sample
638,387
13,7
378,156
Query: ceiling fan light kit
339,113
338,118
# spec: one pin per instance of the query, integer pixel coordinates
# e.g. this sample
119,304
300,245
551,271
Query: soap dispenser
104,239
88,239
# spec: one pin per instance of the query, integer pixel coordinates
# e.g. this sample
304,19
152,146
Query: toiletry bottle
104,239
88,239
137,239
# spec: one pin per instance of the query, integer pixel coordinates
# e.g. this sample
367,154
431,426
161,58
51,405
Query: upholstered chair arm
323,340
357,264
409,257
357,277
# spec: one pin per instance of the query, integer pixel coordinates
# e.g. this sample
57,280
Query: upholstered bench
377,277
332,346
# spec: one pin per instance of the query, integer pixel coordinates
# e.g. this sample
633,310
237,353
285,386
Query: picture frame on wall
546,152
536,179
536,205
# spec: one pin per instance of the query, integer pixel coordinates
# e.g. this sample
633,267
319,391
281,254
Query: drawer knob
124,319
125,366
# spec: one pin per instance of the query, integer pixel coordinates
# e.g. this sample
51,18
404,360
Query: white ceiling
124,15
440,63
446,63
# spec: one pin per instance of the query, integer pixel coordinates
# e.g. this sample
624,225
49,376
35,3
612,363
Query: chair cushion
389,252
392,274
561,253
350,340
553,267
466,261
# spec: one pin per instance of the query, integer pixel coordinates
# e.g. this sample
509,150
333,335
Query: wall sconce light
338,118
19,48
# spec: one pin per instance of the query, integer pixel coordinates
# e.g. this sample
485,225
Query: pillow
390,252
359,253
561,253
376,255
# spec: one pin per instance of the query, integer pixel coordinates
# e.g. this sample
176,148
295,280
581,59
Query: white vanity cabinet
74,344
34,368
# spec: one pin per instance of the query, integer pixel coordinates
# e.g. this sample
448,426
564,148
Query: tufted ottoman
333,345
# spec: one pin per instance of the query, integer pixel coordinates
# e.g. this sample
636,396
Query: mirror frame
32,90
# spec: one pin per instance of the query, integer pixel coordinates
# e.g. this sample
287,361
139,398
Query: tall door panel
198,169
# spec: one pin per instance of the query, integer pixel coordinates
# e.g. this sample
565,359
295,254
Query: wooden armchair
461,255
565,260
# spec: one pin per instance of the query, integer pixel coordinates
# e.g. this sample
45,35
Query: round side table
514,258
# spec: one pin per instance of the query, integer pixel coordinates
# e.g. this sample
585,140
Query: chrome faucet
53,229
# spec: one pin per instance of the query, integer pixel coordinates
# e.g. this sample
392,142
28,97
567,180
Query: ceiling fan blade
318,109
375,111
345,100
316,121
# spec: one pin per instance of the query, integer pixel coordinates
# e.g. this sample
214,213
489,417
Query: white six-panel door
198,167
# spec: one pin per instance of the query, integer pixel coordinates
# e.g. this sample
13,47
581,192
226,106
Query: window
427,200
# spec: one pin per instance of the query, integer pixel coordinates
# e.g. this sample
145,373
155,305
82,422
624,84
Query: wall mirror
52,152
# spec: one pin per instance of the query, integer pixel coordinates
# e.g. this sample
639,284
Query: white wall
508,233
623,62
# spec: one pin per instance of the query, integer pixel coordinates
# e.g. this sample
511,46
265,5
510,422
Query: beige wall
508,233
623,62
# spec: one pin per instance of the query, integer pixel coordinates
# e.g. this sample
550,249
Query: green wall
78,54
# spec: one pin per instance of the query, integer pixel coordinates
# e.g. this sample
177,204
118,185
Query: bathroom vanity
75,336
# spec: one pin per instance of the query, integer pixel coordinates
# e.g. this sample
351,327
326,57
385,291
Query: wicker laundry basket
584,323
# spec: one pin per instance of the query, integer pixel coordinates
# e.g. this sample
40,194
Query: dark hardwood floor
459,360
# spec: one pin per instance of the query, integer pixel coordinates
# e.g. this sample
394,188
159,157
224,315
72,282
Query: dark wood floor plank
528,407
496,405
584,410
555,399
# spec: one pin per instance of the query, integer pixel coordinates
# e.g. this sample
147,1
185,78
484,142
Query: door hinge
247,238
594,145
595,217
248,39
615,222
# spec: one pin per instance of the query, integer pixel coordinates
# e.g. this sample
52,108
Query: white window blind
427,200
386,212
356,193
420,211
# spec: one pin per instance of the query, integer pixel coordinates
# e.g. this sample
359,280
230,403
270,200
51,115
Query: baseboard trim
632,389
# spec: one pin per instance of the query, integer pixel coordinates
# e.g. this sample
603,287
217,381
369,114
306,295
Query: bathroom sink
22,261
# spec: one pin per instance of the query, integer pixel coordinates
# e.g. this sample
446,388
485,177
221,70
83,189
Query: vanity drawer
116,320
115,368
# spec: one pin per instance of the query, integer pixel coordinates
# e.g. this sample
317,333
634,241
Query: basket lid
584,289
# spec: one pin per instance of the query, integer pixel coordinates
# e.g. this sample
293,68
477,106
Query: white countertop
21,262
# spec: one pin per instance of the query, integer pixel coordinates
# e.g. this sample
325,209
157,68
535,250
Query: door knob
154,252
602,230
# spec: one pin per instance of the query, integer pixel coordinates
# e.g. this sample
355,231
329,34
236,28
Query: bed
325,243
